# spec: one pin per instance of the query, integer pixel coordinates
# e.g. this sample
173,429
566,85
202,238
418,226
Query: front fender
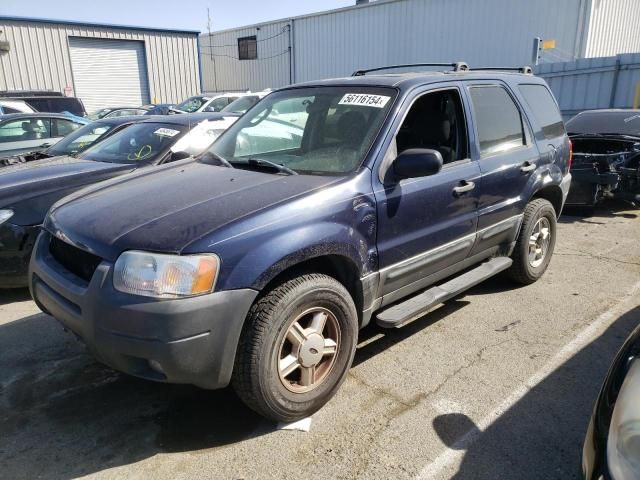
255,267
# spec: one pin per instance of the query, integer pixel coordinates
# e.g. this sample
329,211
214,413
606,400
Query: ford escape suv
374,198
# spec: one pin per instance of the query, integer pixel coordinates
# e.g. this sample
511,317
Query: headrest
437,128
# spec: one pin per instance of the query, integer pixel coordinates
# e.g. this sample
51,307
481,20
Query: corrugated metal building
104,65
385,32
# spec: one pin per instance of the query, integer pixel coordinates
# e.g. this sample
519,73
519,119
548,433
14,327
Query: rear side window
66,104
25,129
544,109
497,120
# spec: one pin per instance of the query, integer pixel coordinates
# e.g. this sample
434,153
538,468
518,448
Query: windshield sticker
364,100
166,132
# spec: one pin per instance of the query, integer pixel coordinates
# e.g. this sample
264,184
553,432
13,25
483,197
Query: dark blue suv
327,205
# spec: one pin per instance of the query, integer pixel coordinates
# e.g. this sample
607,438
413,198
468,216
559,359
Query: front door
24,135
427,224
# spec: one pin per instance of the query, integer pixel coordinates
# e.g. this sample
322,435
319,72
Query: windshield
141,142
319,131
606,122
242,104
80,139
192,104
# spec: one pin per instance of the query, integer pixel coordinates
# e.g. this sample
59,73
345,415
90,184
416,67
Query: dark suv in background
374,197
48,101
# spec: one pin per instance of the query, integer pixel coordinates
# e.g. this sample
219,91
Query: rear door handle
528,167
465,186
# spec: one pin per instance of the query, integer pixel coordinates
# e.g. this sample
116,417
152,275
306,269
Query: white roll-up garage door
109,73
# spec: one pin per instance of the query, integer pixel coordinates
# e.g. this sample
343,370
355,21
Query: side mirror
417,162
211,109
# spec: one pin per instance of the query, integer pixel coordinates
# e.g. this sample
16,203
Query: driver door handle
465,186
528,167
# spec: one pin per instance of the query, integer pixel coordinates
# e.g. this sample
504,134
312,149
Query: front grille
81,263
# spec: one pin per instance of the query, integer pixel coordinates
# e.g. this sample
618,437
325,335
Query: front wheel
296,348
535,244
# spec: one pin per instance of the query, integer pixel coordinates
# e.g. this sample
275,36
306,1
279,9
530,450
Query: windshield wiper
277,166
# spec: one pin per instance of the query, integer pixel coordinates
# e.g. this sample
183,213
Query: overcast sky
185,14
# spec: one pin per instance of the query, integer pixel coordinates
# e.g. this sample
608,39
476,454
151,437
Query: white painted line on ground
457,451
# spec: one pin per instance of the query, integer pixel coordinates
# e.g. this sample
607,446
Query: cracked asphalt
473,389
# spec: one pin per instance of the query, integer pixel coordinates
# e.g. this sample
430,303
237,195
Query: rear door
507,156
549,131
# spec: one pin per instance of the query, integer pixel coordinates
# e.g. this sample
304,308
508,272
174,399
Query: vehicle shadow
62,415
592,215
541,436
11,295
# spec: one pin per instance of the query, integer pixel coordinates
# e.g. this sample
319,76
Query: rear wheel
297,346
536,242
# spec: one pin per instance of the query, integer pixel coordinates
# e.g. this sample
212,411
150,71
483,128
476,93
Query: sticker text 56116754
364,100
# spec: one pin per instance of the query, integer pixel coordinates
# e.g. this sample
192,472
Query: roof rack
457,67
526,69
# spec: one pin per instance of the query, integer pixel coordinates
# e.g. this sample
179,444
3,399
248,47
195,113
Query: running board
417,306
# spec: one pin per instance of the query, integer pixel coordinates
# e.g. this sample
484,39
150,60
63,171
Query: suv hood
30,188
168,209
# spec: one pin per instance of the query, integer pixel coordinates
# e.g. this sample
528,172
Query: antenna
213,58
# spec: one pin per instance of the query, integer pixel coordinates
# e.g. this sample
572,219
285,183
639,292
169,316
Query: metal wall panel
614,28
39,57
222,71
590,83
335,43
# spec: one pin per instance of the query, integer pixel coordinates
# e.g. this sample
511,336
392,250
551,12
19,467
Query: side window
62,128
497,119
24,129
544,108
39,104
436,121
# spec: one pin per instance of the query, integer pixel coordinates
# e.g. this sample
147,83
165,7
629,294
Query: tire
525,269
282,326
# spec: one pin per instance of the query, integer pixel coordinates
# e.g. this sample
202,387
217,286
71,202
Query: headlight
623,444
165,276
5,215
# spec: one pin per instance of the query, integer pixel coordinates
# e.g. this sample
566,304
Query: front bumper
189,340
16,244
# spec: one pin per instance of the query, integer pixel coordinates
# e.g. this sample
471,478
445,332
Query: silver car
28,132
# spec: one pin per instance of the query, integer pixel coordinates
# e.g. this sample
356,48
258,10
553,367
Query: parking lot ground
498,383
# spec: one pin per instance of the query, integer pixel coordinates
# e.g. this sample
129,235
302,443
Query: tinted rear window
57,105
544,109
497,119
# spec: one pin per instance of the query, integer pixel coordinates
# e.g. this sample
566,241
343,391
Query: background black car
606,156
111,112
75,142
28,190
28,132
612,446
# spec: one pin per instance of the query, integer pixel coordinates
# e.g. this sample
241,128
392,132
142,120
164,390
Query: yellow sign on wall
548,44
